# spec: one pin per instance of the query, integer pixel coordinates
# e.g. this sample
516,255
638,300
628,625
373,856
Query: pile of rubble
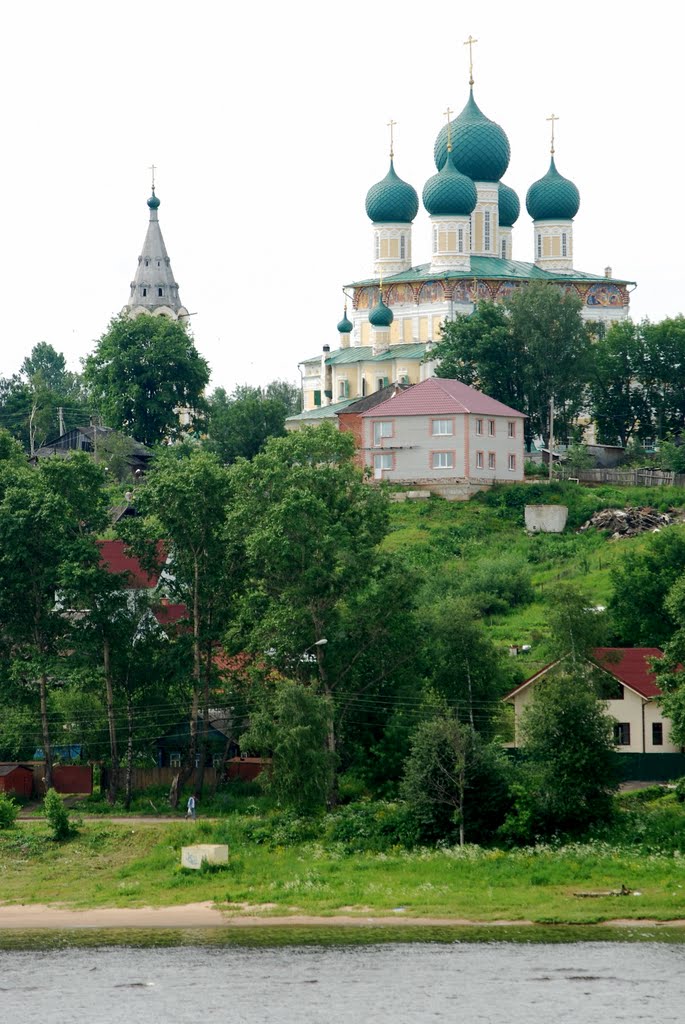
628,522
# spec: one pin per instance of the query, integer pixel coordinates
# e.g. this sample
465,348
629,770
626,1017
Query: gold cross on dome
391,125
552,118
153,169
448,113
469,42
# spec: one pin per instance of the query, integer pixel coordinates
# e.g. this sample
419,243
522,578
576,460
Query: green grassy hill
449,541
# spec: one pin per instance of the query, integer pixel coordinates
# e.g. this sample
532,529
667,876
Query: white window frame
442,460
380,432
479,428
491,428
492,461
382,462
511,428
436,424
175,759
511,462
479,460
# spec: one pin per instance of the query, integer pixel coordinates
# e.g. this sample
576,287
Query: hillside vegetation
481,545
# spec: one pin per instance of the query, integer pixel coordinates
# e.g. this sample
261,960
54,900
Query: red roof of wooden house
115,558
438,397
167,614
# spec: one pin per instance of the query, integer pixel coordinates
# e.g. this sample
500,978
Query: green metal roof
392,200
488,267
449,193
321,412
481,147
509,206
364,354
553,197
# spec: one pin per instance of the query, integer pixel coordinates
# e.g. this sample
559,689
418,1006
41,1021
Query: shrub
283,829
372,825
57,816
8,811
680,790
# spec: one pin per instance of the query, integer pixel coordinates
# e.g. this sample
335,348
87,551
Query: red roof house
630,698
443,432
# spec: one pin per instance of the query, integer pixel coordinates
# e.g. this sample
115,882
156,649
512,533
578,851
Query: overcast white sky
267,124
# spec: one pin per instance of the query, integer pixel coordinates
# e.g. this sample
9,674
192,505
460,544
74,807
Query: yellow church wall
437,327
395,332
407,330
546,246
556,246
423,328
478,232
366,333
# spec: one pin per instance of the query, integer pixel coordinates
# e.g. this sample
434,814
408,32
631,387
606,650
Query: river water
586,983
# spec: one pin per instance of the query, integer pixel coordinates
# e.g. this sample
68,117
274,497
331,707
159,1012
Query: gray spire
153,289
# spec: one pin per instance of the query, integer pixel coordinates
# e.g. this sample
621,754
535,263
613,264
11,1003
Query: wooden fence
626,477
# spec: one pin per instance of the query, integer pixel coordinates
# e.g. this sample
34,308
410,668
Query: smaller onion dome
509,206
153,201
345,326
553,197
392,200
480,146
449,193
381,315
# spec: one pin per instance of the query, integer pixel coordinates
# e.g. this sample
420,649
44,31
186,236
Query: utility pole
551,438
60,413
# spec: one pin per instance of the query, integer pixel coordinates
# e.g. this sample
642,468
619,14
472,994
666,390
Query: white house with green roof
397,314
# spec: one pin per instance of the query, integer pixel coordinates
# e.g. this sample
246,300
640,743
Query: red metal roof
436,397
630,665
166,614
115,558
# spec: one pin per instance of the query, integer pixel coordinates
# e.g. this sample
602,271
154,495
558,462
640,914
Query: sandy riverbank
207,915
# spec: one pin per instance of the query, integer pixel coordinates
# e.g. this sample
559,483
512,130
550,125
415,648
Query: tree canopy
145,372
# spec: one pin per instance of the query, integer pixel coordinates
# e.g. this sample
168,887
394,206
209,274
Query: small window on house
382,463
144,292
160,291
381,429
511,428
491,428
343,389
175,760
479,460
512,463
657,734
491,460
622,734
443,427
442,460
381,382
479,426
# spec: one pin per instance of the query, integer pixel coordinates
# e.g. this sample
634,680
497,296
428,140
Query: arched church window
144,292
539,246
403,247
160,291
486,231
461,239
564,244
147,263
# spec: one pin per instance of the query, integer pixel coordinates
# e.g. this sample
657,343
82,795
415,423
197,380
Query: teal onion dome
153,201
392,200
381,315
480,148
509,206
449,193
553,197
345,326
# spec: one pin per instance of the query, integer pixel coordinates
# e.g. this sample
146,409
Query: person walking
190,811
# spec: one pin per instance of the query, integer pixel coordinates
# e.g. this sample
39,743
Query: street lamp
306,656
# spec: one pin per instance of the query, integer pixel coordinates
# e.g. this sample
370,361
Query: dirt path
207,915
